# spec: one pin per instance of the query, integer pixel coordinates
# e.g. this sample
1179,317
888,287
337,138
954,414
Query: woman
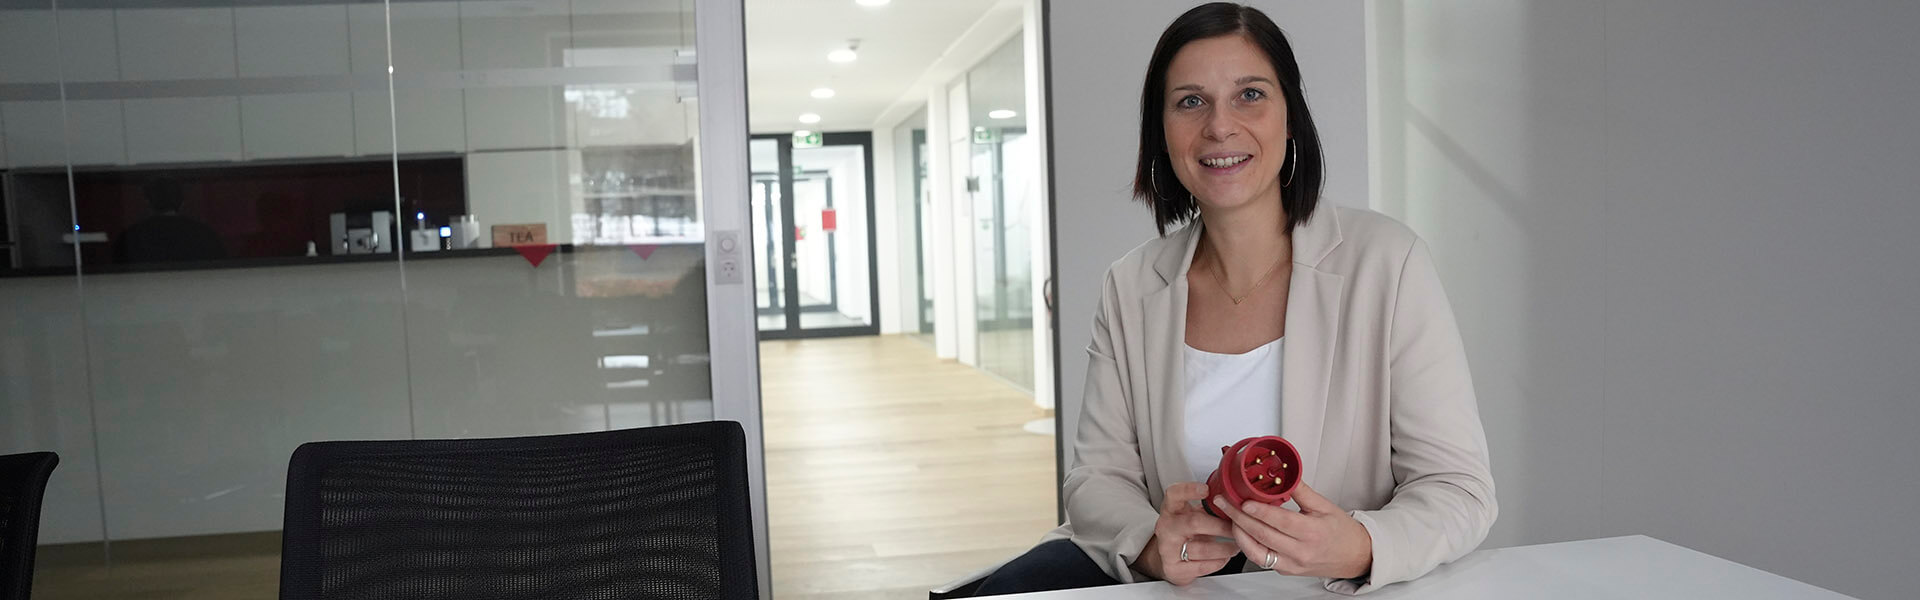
1187,353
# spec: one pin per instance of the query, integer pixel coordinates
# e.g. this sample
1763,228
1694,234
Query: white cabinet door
165,130
517,118
514,34
431,120
292,41
176,43
38,135
279,41
34,50
426,37
426,41
531,186
297,125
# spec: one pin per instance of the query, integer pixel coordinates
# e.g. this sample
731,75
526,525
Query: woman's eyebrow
1241,81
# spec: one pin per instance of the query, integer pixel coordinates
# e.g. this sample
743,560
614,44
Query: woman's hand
1182,523
1320,541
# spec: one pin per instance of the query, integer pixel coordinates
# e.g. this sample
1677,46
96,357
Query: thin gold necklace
1221,266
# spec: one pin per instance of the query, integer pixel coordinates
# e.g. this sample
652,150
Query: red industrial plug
1263,469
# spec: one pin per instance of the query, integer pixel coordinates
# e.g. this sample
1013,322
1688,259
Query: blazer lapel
1165,310
1313,318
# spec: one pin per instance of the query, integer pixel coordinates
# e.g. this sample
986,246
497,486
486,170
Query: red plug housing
1263,469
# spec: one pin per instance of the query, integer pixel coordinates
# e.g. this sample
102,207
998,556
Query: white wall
1680,238
1099,59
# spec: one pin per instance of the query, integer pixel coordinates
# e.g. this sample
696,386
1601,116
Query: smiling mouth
1225,161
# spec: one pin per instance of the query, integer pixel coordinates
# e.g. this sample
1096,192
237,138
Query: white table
1637,567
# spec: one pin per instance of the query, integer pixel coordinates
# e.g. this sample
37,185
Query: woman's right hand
1183,523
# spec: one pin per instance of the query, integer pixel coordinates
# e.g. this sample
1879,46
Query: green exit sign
806,139
982,135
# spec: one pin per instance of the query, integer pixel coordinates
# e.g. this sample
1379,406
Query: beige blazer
1375,394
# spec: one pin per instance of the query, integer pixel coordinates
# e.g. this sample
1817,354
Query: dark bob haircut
1172,203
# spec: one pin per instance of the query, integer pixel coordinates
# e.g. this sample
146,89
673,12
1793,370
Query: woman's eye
1189,102
1252,94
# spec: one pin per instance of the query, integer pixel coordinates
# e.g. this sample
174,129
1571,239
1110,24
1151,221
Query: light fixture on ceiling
822,93
847,54
872,2
1002,114
809,118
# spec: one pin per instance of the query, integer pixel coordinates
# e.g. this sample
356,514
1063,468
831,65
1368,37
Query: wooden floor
888,472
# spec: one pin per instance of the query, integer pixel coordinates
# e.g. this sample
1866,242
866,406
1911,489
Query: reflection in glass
769,237
1003,159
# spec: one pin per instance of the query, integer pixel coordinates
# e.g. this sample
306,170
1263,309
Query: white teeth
1221,163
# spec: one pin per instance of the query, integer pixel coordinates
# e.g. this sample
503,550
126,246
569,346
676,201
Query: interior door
813,228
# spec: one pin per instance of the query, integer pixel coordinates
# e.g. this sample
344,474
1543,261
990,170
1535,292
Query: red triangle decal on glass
536,254
644,250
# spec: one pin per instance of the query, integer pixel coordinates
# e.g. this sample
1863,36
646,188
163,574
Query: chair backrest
23,483
659,512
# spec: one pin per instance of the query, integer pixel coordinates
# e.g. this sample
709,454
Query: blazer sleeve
1109,508
1443,501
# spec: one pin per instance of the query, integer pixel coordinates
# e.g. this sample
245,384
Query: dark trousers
1058,565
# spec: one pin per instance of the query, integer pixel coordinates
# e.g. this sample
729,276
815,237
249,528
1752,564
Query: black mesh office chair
658,512
23,483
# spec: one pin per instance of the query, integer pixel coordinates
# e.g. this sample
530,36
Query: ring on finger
1183,551
1271,558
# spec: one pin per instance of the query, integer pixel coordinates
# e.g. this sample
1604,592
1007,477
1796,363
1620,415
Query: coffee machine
362,232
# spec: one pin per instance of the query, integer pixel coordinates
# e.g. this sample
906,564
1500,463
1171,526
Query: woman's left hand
1320,541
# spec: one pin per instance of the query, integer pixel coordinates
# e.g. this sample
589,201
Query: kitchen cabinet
297,125
37,135
285,41
426,37
34,50
168,130
176,43
431,121
514,34
517,118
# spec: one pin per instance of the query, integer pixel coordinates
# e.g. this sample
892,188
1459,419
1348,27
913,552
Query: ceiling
788,41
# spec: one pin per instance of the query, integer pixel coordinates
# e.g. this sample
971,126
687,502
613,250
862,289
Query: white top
1622,568
1230,397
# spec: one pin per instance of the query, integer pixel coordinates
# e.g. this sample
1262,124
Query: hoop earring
1291,165
1153,178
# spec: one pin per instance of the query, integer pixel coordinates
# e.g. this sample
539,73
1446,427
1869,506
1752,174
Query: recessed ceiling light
1001,114
843,55
822,93
872,2
809,118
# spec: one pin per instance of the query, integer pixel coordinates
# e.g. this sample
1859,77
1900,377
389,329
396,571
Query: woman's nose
1220,126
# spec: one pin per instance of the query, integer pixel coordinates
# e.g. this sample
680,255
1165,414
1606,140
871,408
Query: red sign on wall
829,220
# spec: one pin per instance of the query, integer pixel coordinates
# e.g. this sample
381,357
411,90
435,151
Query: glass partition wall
1003,165
234,227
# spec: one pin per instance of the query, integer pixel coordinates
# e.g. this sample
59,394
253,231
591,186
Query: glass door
1002,160
814,236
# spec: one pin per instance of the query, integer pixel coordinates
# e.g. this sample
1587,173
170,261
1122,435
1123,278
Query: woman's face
1226,122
